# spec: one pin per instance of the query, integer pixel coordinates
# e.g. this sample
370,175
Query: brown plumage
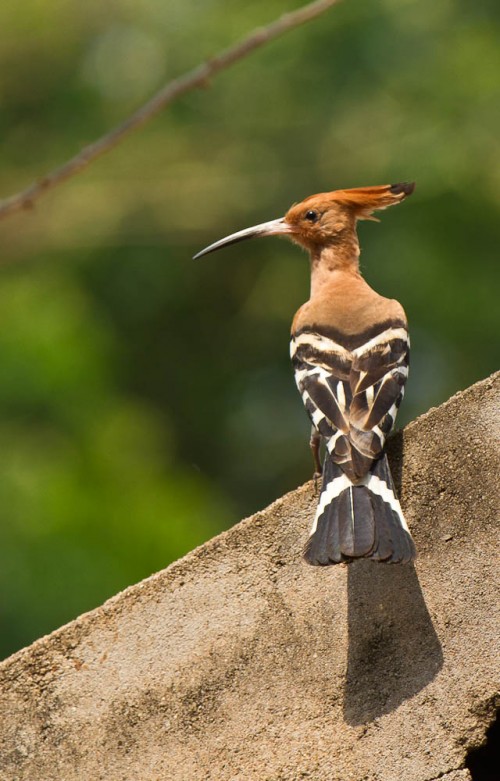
350,351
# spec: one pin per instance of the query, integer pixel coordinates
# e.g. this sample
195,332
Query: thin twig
197,77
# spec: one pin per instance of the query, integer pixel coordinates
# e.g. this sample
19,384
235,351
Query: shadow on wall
393,649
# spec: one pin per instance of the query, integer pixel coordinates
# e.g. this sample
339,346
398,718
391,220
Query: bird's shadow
393,649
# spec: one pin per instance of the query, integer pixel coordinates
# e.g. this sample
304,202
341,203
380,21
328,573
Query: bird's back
348,306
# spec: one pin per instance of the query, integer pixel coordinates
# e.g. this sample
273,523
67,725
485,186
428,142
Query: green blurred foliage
146,402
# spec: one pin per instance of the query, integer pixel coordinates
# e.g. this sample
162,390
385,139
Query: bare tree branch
197,77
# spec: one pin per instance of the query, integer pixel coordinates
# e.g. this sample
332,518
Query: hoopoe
350,350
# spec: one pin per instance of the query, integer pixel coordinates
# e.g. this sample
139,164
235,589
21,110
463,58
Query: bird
350,354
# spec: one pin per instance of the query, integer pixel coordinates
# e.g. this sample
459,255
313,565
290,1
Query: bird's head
322,220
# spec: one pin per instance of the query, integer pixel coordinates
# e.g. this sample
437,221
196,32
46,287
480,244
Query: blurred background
147,401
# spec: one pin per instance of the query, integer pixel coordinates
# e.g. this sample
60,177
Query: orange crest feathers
364,200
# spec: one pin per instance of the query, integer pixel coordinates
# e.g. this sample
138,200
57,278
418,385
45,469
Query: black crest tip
402,187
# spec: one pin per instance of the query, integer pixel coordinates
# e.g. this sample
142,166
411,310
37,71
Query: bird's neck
338,258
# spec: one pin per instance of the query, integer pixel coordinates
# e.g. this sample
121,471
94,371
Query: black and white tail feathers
359,520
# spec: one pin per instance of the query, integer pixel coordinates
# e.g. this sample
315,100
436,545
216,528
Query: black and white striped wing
379,371
322,372
352,395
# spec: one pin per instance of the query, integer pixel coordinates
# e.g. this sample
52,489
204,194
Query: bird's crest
363,201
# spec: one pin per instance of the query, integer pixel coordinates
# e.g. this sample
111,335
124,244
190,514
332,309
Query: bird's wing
352,395
379,371
322,372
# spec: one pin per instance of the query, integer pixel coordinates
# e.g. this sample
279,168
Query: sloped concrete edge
371,671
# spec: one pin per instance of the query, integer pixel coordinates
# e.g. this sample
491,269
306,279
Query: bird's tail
359,520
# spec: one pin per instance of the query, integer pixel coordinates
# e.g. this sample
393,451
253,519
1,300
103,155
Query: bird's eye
311,215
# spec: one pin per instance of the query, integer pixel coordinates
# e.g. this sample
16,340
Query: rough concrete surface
240,662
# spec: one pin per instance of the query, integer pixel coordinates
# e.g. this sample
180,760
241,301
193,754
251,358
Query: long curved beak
272,228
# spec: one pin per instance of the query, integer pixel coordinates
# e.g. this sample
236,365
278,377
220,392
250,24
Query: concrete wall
241,662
